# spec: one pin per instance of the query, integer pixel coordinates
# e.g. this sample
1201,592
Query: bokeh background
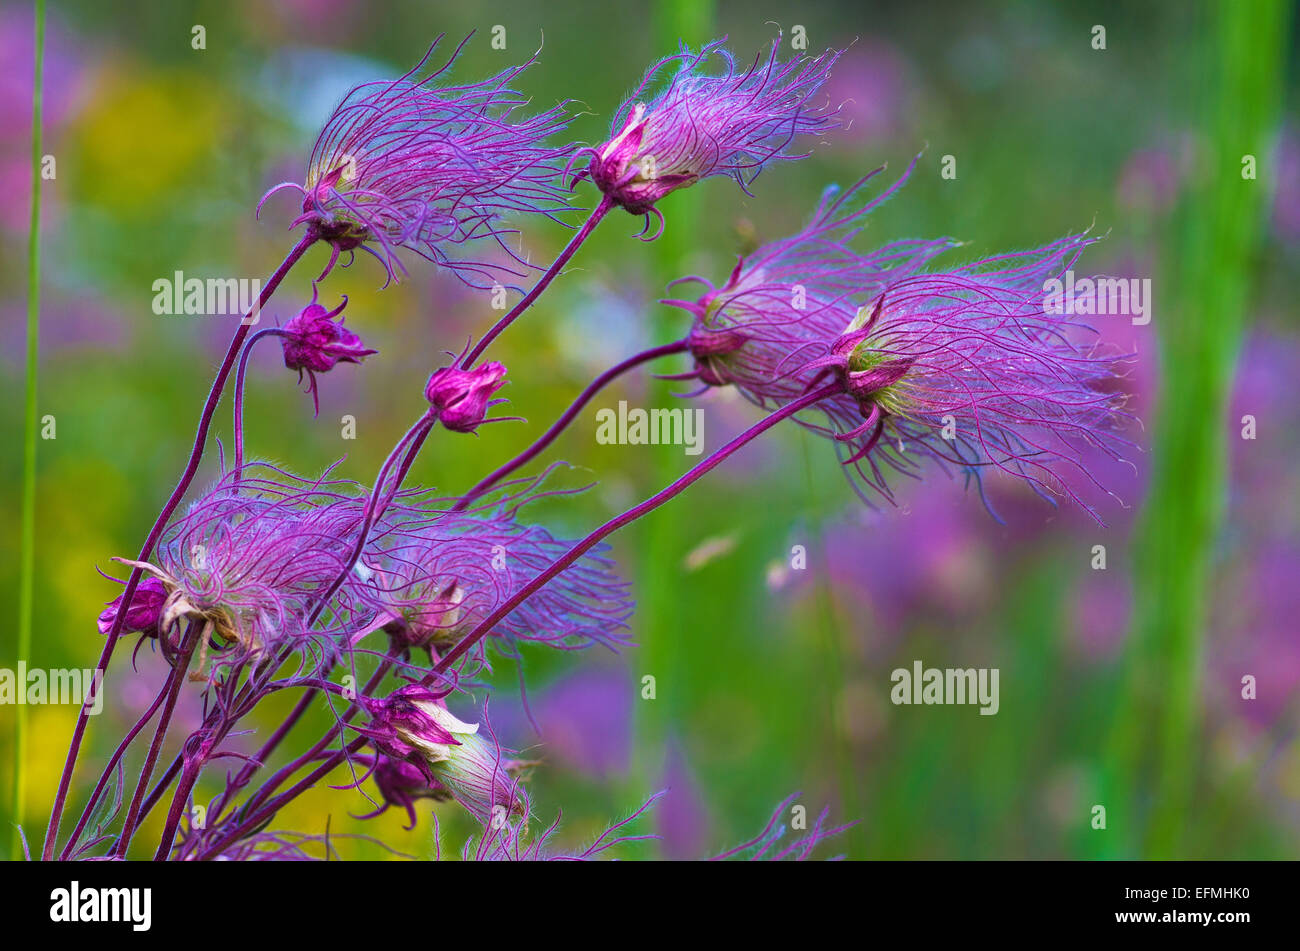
1119,686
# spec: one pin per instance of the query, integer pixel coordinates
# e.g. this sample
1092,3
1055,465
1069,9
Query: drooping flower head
413,724
402,784
145,613
427,165
251,558
970,369
314,342
442,573
781,302
669,136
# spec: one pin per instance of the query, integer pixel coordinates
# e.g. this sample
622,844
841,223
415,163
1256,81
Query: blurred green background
1120,687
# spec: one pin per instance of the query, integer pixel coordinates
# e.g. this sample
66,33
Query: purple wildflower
969,368
463,397
420,166
250,558
701,125
314,343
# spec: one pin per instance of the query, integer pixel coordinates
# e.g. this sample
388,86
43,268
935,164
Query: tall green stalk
27,546
1156,745
663,649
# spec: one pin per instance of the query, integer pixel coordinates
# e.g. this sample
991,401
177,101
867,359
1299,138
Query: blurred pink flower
870,84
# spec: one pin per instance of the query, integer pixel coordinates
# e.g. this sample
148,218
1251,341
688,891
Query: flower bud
628,174
433,622
462,397
707,345
314,342
412,724
401,784
144,613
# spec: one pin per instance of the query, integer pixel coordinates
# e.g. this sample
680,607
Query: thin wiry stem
552,272
191,469
562,423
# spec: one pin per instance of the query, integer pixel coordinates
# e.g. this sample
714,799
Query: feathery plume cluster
426,165
967,368
699,125
250,560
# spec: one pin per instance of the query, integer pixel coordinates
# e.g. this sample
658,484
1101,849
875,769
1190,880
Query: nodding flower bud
628,173
314,342
463,397
705,344
402,784
413,725
144,613
865,366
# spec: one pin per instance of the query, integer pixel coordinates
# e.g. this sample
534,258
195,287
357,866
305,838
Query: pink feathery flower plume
782,301
412,164
700,125
970,368
441,573
248,562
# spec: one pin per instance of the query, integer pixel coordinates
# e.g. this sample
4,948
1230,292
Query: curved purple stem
238,395
191,469
631,515
562,423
